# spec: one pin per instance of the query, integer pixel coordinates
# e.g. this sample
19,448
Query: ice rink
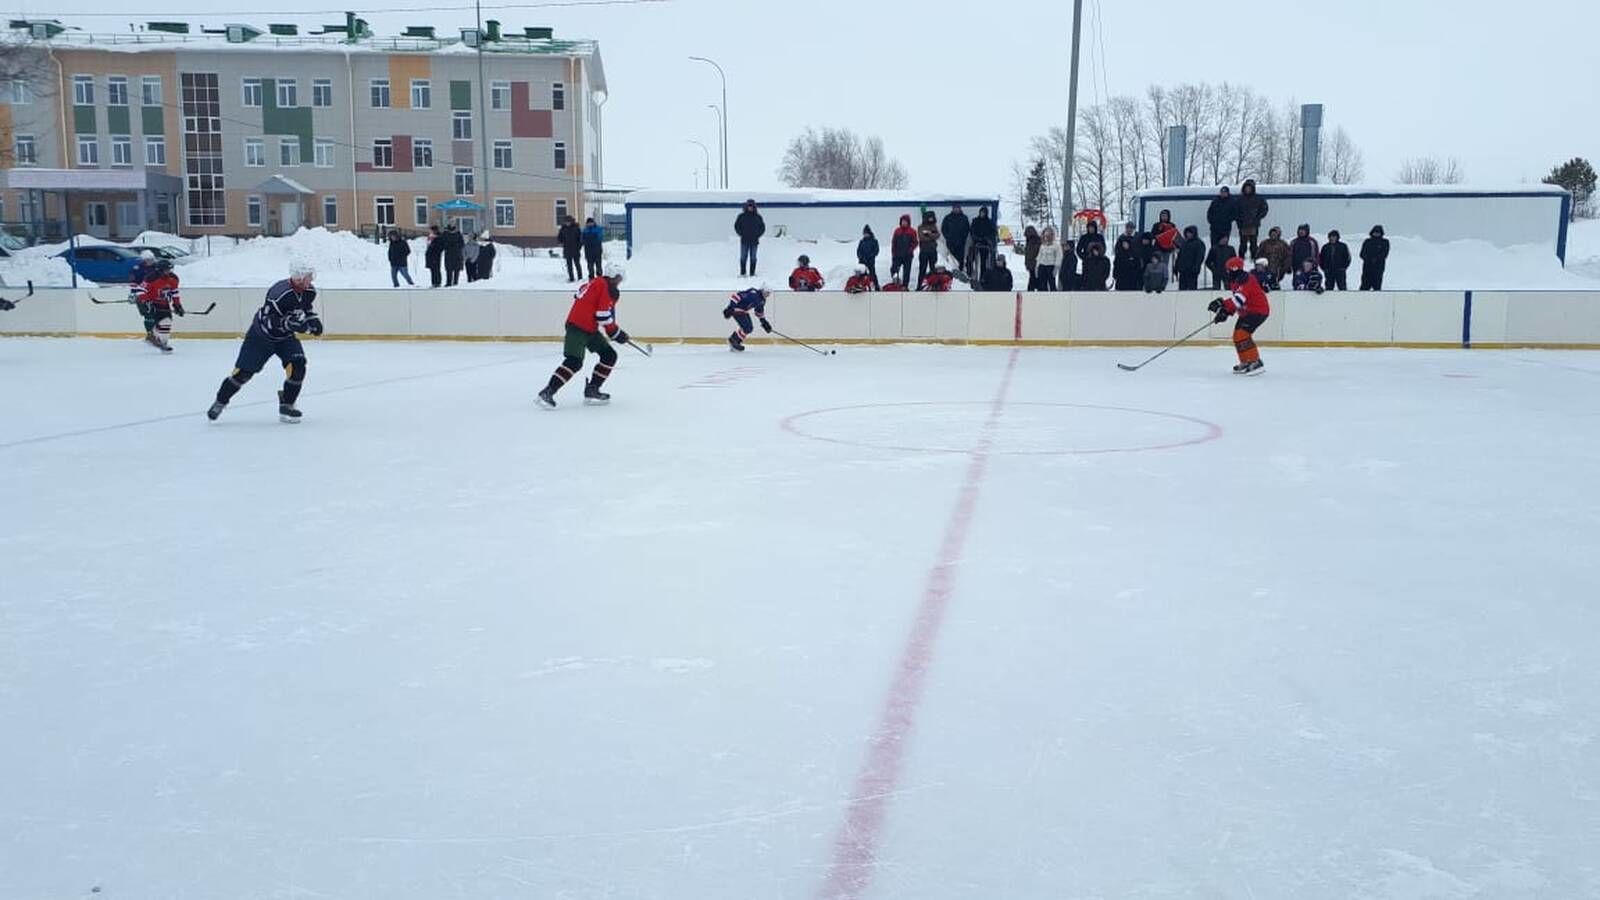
905,622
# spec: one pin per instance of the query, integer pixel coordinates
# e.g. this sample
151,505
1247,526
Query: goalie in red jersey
1249,302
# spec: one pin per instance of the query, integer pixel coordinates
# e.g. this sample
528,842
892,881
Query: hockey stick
13,303
1127,368
201,312
646,349
94,299
816,350
192,312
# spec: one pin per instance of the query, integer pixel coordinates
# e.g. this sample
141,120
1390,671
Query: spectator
937,281
1091,236
1249,210
1302,248
804,277
1096,269
1191,259
1217,260
1166,237
1335,260
1374,259
433,253
1155,275
399,256
895,284
594,246
984,237
469,255
570,237
901,245
749,227
998,278
1047,259
1263,274
1125,267
1221,214
861,282
486,255
1276,251
927,244
453,245
867,252
956,228
1307,278
1030,255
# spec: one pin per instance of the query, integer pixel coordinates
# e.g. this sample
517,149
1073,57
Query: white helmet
614,270
764,288
300,270
147,255
861,269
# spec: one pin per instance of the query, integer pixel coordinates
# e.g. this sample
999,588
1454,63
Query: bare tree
1341,160
25,76
839,158
1430,170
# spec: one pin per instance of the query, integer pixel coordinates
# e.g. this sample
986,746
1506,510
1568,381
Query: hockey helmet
147,255
861,269
614,270
302,271
1236,264
805,260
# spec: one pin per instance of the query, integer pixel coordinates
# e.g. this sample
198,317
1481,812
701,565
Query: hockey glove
1215,305
6,304
295,321
766,326
177,307
727,312
1221,316
314,325
621,337
142,307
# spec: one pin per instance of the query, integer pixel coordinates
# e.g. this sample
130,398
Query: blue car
101,263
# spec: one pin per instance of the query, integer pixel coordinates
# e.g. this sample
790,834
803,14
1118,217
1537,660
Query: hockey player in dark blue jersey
739,308
286,313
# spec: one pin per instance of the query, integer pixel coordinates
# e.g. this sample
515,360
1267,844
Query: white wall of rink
1406,319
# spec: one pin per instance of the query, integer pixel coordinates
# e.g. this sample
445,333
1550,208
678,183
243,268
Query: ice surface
1337,642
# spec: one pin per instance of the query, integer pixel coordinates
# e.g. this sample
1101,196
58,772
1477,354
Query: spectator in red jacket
895,284
937,281
860,282
1164,235
804,277
902,245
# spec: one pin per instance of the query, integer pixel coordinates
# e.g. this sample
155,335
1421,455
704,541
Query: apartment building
244,131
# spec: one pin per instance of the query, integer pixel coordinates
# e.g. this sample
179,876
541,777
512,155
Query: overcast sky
956,88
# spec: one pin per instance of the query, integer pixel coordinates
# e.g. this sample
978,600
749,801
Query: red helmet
1236,264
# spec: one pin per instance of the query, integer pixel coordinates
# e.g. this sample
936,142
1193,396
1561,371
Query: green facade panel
118,120
151,121
460,95
295,121
83,120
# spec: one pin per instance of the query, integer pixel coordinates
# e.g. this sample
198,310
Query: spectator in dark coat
1221,213
749,226
594,246
1096,269
984,237
399,256
927,244
1276,251
1155,275
1030,255
453,255
570,237
867,252
998,278
956,226
1307,278
1091,236
902,246
1302,248
1217,259
1374,259
1249,210
433,253
486,254
1125,267
1335,260
1191,259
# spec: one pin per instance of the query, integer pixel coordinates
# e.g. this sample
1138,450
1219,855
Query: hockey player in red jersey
1249,302
156,298
589,324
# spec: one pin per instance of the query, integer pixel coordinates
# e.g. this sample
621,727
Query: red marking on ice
1016,320
855,850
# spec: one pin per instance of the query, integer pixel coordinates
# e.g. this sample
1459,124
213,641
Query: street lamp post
1072,122
703,149
483,117
721,159
724,77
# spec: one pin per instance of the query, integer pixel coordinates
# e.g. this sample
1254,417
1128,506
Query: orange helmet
1236,264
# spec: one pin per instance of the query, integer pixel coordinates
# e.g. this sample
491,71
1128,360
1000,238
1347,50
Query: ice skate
286,411
735,343
216,410
1253,367
593,396
547,399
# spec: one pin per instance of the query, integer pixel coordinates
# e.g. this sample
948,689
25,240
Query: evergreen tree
1577,176
1036,194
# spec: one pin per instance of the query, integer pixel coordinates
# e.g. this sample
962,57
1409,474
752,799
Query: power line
550,4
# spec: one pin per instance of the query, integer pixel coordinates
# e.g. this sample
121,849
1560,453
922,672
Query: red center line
855,850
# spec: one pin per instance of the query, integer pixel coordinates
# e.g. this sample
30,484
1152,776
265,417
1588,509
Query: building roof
29,178
1354,190
282,186
807,197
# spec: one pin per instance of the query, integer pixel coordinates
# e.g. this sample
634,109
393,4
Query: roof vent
283,29
170,27
471,37
419,31
493,31
539,34
42,30
239,34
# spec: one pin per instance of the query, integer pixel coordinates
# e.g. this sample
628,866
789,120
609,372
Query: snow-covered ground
905,622
343,260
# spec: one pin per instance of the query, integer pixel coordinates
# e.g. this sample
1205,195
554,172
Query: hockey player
939,279
1249,301
860,282
739,308
287,312
589,324
141,270
157,300
894,284
805,277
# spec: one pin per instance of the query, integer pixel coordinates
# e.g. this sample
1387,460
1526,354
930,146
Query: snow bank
811,195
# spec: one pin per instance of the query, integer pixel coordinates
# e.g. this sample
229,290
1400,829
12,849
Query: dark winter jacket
1302,248
1155,276
1221,213
956,226
1335,256
867,250
997,278
750,227
1096,272
1030,248
1125,264
486,254
983,230
1375,253
1191,256
570,237
594,240
399,252
1249,208
1276,252
453,245
903,243
1308,281
435,248
1219,256
1088,239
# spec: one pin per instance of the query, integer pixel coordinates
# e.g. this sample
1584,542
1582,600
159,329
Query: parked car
10,244
175,254
101,263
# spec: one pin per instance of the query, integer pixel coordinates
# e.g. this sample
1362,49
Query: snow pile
715,265
1583,248
1473,265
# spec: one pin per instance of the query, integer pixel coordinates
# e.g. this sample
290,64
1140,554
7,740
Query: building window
561,155
383,153
116,90
251,92
155,151
330,210
421,153
463,181
419,211
322,92
383,210
502,154
83,90
561,212
150,90
201,96
255,152
88,150
322,153
252,211
461,126
288,93
421,94
121,150
380,93
499,95
558,96
27,154
20,94
505,212
289,151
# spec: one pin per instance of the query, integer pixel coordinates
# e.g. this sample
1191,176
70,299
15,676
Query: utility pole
483,116
1072,121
